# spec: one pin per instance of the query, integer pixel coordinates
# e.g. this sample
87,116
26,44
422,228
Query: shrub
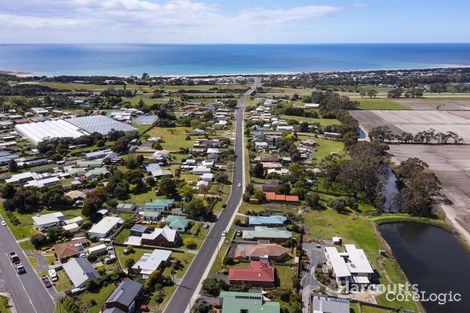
190,244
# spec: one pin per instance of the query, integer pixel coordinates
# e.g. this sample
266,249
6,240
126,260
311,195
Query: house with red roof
273,197
258,273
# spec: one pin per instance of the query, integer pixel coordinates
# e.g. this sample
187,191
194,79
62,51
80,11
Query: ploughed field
413,121
437,103
451,164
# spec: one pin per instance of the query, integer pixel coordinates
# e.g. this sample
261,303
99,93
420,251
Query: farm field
437,103
452,167
400,121
380,104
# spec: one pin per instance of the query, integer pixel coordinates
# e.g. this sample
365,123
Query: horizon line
234,43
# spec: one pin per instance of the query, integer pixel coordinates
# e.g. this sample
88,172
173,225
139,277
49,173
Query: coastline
244,74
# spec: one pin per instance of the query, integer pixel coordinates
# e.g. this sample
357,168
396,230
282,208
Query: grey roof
4,159
100,124
125,293
324,303
146,120
113,310
139,228
80,270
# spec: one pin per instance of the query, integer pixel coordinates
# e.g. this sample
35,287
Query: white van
53,275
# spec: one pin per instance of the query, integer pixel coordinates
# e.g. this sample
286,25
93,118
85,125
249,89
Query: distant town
282,193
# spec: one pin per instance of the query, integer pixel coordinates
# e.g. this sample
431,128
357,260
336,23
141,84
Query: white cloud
157,20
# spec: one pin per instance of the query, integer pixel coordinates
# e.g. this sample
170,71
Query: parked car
14,257
4,223
224,233
53,275
20,268
46,281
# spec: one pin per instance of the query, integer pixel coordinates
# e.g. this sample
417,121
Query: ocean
177,60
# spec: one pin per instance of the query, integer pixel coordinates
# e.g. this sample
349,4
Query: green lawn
199,239
173,138
380,104
142,198
26,245
136,255
325,147
322,121
4,308
64,283
285,275
121,237
100,298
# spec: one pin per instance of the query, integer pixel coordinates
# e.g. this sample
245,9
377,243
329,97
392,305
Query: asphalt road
27,290
308,283
185,291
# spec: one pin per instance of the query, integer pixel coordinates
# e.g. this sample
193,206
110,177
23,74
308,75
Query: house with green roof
176,222
246,302
159,205
267,233
150,215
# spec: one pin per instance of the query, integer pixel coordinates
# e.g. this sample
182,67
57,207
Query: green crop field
380,104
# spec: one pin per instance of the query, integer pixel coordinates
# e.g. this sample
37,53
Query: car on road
20,268
239,185
224,233
14,257
46,281
4,223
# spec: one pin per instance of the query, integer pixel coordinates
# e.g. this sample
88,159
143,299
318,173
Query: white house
150,262
98,250
73,228
351,266
199,170
208,177
105,226
43,222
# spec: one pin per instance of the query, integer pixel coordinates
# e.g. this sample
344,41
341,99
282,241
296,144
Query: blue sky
234,21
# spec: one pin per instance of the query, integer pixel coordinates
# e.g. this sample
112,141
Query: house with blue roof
273,220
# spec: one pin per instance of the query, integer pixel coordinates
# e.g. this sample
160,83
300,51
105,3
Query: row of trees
414,92
384,134
419,187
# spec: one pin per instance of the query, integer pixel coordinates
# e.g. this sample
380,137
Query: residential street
309,282
181,300
27,290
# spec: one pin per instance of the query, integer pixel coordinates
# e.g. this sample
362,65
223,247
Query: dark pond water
435,260
391,192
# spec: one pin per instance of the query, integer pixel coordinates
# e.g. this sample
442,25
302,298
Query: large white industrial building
71,128
37,132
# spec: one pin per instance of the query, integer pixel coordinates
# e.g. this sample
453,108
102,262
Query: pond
435,260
